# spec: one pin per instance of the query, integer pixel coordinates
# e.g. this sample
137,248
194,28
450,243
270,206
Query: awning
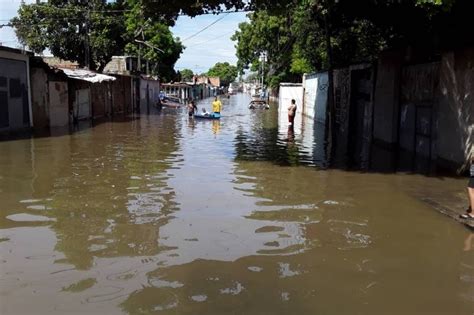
87,75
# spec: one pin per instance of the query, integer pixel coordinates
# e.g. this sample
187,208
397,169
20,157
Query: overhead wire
210,40
205,28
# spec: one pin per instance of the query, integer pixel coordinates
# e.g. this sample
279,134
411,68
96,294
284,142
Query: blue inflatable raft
208,116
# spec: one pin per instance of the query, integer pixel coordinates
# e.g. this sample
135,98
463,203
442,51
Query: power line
205,28
210,40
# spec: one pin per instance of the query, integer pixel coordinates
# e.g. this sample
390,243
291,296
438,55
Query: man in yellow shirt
216,107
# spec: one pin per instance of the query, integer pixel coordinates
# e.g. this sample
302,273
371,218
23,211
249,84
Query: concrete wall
100,99
316,96
79,99
456,107
15,94
149,94
40,97
50,98
121,94
387,87
58,104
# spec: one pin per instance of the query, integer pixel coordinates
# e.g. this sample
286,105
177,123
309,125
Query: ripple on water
199,298
269,228
80,286
25,217
30,201
234,290
286,272
160,283
37,207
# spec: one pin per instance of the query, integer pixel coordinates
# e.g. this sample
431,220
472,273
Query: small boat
207,116
166,103
259,104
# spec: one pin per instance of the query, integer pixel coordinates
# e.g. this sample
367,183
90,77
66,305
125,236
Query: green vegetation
186,75
297,35
112,28
60,26
225,71
161,49
315,35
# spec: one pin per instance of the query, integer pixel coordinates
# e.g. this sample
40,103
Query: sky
202,51
212,45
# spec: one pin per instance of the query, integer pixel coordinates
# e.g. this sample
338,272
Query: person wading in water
192,108
292,113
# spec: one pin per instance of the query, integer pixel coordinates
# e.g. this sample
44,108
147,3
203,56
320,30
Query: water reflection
165,214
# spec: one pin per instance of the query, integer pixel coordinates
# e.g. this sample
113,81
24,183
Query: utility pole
87,61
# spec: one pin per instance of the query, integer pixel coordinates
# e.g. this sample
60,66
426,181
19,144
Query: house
15,92
183,91
63,93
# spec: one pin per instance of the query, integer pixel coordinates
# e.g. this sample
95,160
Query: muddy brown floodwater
167,215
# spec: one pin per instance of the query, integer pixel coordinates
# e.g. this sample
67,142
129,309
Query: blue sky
202,51
212,45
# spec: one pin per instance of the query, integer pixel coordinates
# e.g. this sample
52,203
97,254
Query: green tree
225,71
72,30
151,40
186,75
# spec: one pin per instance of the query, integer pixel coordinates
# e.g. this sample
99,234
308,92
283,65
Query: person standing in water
192,108
216,107
292,112
470,193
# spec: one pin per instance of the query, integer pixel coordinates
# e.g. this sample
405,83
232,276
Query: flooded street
170,215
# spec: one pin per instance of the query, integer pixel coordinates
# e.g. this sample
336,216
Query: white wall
315,96
289,91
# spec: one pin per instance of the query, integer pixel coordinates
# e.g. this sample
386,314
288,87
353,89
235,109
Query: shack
15,92
90,95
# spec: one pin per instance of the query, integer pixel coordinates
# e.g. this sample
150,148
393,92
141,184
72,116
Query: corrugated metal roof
87,75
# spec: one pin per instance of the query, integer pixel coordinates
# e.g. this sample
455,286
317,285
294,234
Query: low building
15,93
90,94
183,91
128,90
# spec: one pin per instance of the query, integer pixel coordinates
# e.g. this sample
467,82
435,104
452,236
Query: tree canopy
162,50
186,75
91,32
299,35
62,26
67,27
225,71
